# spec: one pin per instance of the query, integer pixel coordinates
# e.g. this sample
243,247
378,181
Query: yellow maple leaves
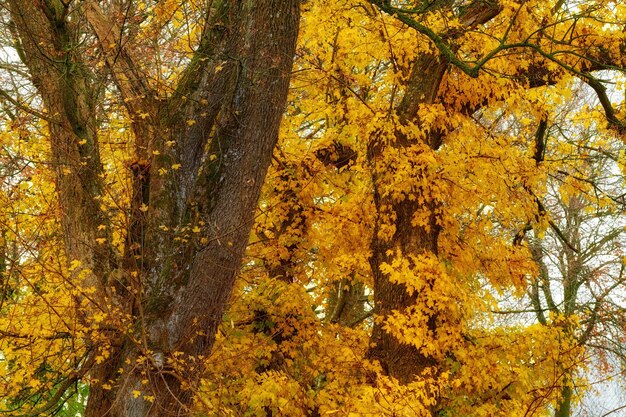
297,334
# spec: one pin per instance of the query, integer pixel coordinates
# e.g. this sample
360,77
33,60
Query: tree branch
136,92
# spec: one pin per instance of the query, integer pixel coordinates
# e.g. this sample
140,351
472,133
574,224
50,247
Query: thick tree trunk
175,291
400,360
411,239
45,46
186,303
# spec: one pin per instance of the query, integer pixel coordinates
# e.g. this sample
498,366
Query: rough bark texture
45,46
234,90
399,360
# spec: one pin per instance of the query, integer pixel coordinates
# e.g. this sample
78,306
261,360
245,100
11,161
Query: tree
423,87
202,138
409,170
580,259
447,170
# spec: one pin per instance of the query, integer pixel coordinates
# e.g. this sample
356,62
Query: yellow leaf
74,264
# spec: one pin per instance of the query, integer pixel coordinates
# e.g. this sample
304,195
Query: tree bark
402,361
45,45
223,140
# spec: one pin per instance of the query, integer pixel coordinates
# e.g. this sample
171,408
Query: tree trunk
397,233
400,360
564,406
174,290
